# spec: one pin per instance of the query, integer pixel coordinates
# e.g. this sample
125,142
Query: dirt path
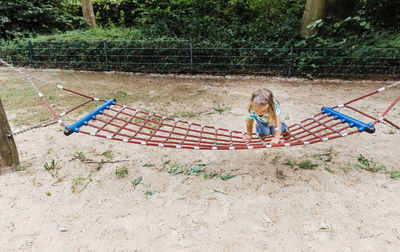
86,202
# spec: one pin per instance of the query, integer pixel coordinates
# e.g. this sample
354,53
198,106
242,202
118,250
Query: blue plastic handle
69,129
370,128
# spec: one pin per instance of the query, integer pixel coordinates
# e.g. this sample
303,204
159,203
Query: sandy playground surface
81,204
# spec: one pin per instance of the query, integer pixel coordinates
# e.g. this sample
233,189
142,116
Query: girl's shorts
265,130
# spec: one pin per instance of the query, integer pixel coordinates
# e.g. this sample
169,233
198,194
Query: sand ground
83,205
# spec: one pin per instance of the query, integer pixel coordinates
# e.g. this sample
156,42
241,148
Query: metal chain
40,125
392,85
27,77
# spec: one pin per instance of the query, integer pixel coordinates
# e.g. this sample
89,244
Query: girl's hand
247,137
275,140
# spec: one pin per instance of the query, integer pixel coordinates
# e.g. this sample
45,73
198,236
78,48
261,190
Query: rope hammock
122,123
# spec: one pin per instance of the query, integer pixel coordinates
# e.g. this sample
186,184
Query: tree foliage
19,18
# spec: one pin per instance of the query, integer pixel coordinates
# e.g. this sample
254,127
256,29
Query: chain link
27,76
393,85
40,125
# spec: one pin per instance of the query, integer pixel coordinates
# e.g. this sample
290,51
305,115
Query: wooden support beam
8,150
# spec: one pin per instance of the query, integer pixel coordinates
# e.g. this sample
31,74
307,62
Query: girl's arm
277,135
249,127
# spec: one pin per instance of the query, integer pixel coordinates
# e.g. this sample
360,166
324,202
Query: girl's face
260,110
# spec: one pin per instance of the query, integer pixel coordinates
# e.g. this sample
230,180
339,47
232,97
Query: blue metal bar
370,128
91,116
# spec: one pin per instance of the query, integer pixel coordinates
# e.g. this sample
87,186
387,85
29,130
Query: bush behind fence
188,57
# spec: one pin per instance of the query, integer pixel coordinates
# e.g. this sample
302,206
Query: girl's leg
262,129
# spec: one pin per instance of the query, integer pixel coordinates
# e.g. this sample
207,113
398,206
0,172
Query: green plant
368,164
148,165
228,176
302,165
307,165
288,162
175,169
48,193
211,175
80,155
121,172
149,193
196,169
328,169
395,175
78,184
137,181
221,109
50,166
20,168
108,154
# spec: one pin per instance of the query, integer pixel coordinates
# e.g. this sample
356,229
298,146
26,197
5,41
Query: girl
267,114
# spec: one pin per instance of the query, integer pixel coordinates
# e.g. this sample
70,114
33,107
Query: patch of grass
149,193
148,165
166,162
121,96
394,175
175,169
228,176
211,175
328,169
220,109
391,132
20,168
196,169
48,194
288,162
137,181
368,164
50,166
308,165
108,154
80,155
78,184
121,172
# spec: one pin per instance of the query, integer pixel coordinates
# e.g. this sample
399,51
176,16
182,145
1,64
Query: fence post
32,55
8,150
105,53
191,55
290,62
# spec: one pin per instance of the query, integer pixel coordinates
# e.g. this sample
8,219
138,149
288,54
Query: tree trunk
8,150
88,13
315,9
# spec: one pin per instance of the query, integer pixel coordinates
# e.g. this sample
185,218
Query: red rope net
130,125
126,124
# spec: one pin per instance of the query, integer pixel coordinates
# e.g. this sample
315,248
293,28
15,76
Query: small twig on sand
215,190
106,161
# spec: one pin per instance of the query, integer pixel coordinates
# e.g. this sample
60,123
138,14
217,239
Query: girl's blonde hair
263,97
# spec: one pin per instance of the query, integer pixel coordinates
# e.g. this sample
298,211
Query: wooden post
8,150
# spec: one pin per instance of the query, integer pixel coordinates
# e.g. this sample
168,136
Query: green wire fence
187,57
